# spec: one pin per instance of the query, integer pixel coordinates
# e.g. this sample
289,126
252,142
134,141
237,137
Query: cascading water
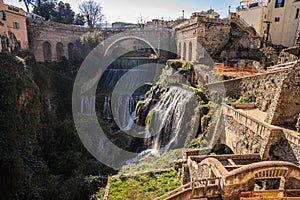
125,121
168,115
169,120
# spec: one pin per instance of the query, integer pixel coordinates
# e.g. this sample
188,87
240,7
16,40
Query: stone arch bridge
50,41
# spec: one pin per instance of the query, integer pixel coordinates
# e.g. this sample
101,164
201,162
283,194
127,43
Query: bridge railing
202,184
253,124
261,128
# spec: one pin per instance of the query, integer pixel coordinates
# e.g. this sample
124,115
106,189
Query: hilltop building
276,21
13,31
208,14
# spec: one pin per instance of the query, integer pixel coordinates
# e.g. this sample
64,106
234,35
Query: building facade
13,30
276,21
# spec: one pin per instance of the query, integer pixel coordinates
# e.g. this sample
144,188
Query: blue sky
130,10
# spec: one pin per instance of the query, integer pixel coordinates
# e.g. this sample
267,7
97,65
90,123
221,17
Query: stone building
50,41
13,30
200,34
208,14
277,21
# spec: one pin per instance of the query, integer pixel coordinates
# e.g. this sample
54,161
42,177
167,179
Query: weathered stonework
199,34
285,107
298,123
276,93
50,41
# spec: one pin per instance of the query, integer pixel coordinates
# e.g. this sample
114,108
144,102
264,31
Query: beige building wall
282,23
253,17
284,31
13,20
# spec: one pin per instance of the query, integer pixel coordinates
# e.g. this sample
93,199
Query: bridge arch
47,53
108,49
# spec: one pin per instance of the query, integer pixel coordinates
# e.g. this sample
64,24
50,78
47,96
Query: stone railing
282,66
196,189
250,122
292,136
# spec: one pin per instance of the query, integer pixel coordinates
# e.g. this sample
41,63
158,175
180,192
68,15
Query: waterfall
107,109
169,121
124,120
88,105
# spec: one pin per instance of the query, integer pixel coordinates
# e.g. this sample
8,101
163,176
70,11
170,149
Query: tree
60,12
88,41
79,20
27,3
45,10
63,13
92,11
35,4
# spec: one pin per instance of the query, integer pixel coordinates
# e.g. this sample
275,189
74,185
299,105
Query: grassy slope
147,186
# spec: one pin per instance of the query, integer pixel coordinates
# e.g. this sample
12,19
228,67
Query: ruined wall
241,45
285,108
199,34
276,93
50,41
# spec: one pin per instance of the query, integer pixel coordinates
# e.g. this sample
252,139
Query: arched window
71,51
47,51
190,51
59,51
184,52
179,49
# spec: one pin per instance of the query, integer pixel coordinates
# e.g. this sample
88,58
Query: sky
131,10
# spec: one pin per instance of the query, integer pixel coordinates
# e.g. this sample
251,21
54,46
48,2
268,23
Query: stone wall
285,106
199,34
50,41
246,135
276,93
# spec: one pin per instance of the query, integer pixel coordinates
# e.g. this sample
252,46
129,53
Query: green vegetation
149,117
270,55
38,137
178,64
199,142
147,186
162,162
295,50
245,99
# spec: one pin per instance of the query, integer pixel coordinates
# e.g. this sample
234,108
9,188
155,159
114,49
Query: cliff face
41,155
20,116
241,45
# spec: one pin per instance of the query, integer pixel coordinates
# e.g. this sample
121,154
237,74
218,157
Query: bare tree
92,11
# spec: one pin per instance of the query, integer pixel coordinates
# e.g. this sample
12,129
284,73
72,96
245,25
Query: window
2,15
279,3
16,25
277,19
297,13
